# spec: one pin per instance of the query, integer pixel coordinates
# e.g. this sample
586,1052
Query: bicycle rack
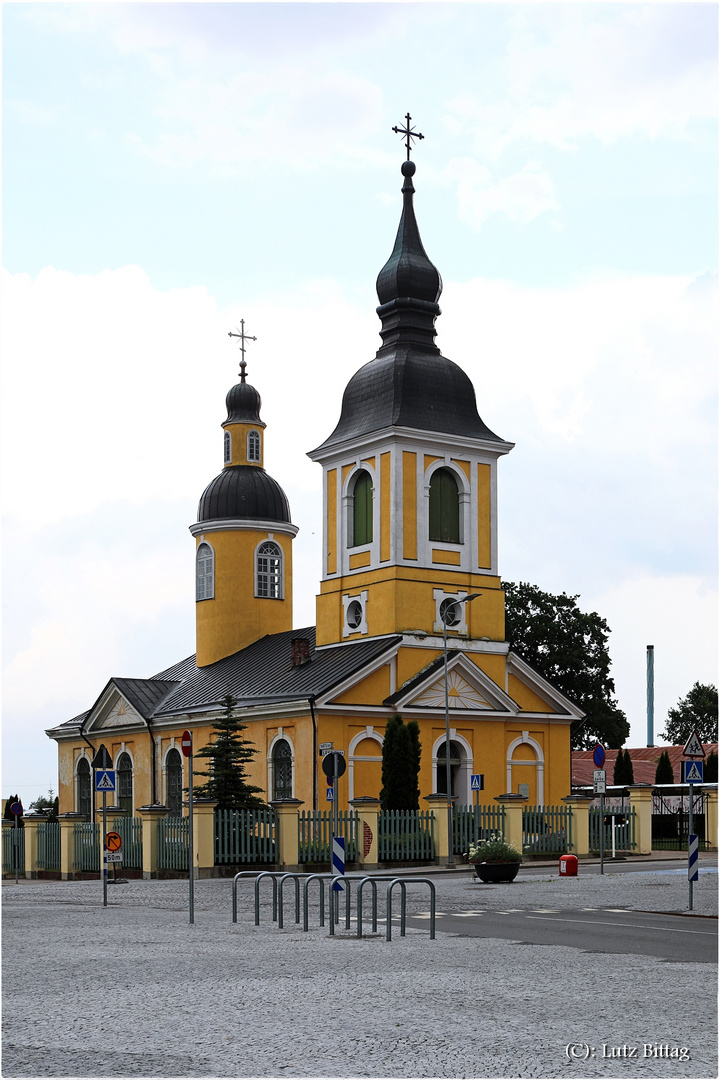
388,913
321,879
257,876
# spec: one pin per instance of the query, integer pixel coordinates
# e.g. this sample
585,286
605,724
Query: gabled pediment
468,688
113,710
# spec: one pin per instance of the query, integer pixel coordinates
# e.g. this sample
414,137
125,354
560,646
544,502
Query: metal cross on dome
409,134
243,338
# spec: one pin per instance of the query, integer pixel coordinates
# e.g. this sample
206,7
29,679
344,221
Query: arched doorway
84,788
457,760
282,770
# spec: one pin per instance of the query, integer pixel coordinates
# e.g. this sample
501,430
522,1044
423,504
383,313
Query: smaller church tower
243,562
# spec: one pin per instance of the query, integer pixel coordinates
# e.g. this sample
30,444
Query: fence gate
671,820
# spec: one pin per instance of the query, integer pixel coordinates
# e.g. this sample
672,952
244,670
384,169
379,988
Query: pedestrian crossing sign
105,780
693,771
329,794
477,782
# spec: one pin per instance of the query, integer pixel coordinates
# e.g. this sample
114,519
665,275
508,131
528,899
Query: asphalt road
631,933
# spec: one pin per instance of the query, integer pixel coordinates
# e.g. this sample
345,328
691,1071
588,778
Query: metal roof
145,694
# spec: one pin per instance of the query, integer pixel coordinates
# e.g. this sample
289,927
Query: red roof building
644,760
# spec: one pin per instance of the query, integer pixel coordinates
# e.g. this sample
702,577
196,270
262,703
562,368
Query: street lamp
449,614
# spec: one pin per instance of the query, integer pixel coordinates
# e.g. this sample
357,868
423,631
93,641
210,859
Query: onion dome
243,402
244,492
409,384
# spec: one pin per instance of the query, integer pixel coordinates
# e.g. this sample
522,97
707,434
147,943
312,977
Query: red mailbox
568,866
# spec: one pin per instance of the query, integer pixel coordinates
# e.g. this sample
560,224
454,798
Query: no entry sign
186,743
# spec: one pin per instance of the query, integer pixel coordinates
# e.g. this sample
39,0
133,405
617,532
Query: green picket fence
315,832
547,829
130,830
405,835
600,824
86,842
48,845
13,850
173,835
472,823
244,836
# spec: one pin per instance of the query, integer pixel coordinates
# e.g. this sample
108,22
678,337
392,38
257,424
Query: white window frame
254,443
264,576
227,448
208,576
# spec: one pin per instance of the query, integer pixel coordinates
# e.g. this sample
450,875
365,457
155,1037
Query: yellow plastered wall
491,665
526,698
369,691
464,465
235,617
484,515
238,443
409,481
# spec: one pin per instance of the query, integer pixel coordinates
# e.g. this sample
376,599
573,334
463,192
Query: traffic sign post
477,784
186,743
16,810
334,766
693,774
104,782
599,777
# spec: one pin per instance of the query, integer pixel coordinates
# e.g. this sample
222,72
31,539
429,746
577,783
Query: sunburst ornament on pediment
461,695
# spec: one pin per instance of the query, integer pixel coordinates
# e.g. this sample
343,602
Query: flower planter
492,873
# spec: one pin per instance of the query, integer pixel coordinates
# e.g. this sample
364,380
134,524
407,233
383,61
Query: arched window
253,446
456,758
269,571
125,783
84,794
444,507
362,513
173,766
205,573
227,447
282,770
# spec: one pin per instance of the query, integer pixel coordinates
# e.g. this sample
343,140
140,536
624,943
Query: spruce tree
710,773
664,771
228,755
619,770
413,733
400,765
629,771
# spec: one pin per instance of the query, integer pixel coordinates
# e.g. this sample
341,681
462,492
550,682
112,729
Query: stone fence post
368,810
641,803
31,843
440,805
514,806
711,821
67,844
287,838
204,837
580,810
149,816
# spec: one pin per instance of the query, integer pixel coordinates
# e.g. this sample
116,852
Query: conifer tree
400,765
228,755
629,771
619,770
711,768
664,771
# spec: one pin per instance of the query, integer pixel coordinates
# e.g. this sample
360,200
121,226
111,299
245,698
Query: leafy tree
400,765
664,772
228,756
696,712
711,768
47,805
629,771
569,648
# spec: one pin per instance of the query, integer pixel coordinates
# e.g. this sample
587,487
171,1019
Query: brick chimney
299,651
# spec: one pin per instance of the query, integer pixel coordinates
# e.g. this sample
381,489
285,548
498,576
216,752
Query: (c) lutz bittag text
582,1051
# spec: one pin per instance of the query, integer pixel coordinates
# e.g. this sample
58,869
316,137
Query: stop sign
186,743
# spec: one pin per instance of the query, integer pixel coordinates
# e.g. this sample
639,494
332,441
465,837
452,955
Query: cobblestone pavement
132,990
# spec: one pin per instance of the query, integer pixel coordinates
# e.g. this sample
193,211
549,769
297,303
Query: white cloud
522,196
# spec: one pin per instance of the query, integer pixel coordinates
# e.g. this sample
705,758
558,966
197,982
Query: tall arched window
84,793
253,446
362,514
282,770
456,758
227,447
269,571
204,573
173,766
125,783
444,507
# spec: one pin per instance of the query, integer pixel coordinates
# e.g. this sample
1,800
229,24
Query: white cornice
362,443
255,524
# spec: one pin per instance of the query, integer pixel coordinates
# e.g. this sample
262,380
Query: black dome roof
243,404
244,491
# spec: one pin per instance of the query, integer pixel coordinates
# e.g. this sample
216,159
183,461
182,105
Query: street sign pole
477,815
16,850
104,848
602,834
191,845
691,792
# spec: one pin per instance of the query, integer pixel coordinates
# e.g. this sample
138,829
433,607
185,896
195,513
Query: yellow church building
410,489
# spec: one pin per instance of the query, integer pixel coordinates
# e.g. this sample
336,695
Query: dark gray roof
243,404
244,491
262,673
145,694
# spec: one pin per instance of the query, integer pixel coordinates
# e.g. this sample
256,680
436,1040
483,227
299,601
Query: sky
169,169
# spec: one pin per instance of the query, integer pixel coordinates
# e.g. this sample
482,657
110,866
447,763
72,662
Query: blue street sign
599,756
338,861
105,780
692,772
16,809
692,858
477,782
329,796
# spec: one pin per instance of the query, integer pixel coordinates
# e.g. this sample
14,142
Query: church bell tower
409,473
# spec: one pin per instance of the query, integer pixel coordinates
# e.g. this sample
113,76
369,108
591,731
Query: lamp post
446,608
